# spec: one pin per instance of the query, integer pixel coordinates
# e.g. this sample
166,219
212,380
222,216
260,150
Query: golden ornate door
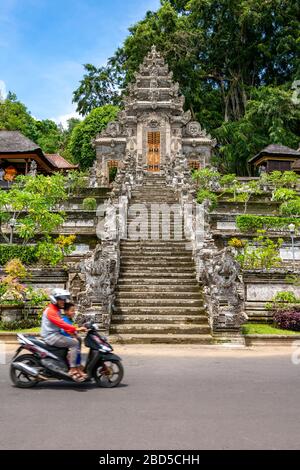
153,157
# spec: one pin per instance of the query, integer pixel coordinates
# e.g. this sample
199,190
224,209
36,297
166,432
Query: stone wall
260,288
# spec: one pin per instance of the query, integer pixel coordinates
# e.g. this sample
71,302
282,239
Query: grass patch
264,329
26,330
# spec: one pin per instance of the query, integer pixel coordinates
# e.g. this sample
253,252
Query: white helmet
58,294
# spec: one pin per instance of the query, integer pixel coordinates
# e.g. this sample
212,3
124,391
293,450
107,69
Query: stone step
150,302
168,244
161,339
144,269
158,263
148,328
160,289
168,279
154,310
165,319
165,294
148,255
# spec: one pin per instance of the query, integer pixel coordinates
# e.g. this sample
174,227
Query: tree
271,117
80,145
15,116
31,206
217,49
97,88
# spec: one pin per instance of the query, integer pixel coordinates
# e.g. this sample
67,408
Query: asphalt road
171,398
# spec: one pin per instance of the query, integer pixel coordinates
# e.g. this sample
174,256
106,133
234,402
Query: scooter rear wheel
108,374
19,378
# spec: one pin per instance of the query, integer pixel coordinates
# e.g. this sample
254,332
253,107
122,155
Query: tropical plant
30,206
284,194
262,254
80,146
282,301
251,223
290,208
12,291
89,204
206,195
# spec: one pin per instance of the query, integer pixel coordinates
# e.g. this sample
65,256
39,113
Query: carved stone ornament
193,129
113,129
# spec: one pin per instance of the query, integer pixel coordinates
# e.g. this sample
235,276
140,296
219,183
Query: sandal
76,376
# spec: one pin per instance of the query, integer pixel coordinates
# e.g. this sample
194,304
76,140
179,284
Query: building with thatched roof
276,157
17,154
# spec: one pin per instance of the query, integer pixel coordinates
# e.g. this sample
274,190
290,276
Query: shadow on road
84,387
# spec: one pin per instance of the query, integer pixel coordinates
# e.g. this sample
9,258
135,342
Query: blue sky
43,44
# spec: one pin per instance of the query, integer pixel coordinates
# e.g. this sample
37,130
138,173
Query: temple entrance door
153,156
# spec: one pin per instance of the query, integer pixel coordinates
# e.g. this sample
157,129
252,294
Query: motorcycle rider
52,324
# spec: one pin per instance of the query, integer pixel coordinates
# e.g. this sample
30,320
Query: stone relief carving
32,168
193,129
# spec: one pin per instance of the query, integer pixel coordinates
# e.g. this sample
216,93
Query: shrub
205,194
282,301
284,194
288,319
236,243
263,255
205,177
89,204
20,324
228,180
252,223
26,254
290,207
52,252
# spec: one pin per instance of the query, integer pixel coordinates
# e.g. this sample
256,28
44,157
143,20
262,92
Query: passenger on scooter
68,317
52,323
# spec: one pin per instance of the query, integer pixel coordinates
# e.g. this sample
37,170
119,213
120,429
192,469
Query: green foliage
263,254
290,208
52,252
89,204
282,301
270,117
205,194
26,254
80,145
228,181
251,223
279,179
25,324
235,62
15,116
76,181
97,88
31,203
284,194
112,174
205,177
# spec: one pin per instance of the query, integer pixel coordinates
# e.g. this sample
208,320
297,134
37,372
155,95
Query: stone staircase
158,298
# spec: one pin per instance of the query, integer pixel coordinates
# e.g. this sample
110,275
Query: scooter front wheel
108,373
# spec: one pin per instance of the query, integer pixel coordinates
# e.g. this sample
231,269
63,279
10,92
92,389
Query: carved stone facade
153,104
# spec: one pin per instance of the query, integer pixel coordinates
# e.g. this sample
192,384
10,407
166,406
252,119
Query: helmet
59,294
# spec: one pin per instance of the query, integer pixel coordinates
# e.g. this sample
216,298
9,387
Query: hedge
252,223
27,254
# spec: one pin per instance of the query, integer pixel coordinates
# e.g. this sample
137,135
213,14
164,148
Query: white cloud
63,120
3,92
